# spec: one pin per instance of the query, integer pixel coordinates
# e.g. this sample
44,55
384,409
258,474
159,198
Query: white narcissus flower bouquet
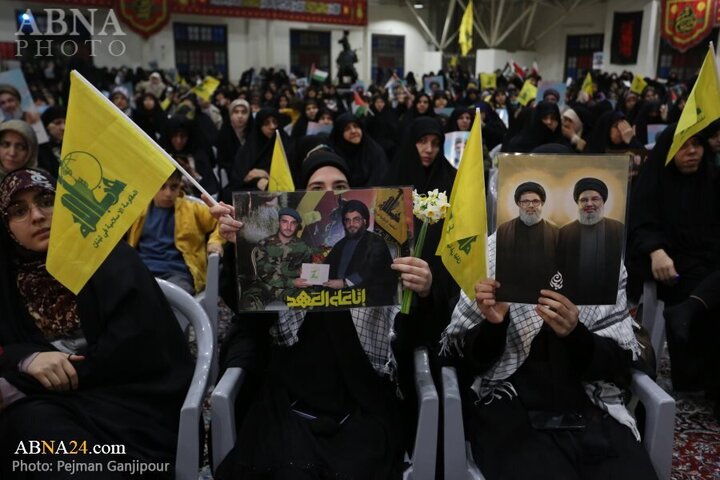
429,208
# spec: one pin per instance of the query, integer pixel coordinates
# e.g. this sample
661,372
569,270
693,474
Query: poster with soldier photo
321,250
561,226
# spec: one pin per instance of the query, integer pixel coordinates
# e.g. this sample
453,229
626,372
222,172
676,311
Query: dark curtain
627,27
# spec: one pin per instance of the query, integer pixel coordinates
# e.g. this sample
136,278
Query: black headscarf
228,142
367,160
300,128
648,114
413,113
536,133
193,148
455,115
407,169
383,127
599,141
257,151
151,121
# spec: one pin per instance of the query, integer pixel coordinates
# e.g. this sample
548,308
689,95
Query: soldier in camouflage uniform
278,261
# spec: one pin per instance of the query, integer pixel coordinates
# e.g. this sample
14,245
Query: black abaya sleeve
485,343
131,330
595,357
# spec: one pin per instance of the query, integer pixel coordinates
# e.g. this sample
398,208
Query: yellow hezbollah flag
587,85
465,33
109,173
488,80
528,92
463,244
638,84
702,106
280,177
206,88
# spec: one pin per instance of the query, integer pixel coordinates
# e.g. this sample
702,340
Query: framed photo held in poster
321,250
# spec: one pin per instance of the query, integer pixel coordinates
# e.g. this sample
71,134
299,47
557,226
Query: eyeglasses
527,203
20,212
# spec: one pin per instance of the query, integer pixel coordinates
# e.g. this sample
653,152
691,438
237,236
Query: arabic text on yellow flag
463,246
488,80
109,173
206,88
702,106
280,177
587,85
527,93
390,213
638,84
466,30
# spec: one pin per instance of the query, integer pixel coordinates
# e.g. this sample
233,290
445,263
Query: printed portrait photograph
318,250
455,146
561,226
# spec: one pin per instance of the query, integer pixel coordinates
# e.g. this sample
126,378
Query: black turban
356,206
530,187
589,183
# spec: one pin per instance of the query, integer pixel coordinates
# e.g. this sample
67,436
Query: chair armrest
425,451
187,309
659,422
208,298
222,414
458,455
188,446
652,317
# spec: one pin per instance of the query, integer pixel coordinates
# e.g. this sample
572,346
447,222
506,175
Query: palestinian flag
317,74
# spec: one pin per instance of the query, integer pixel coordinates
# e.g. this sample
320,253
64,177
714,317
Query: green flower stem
417,252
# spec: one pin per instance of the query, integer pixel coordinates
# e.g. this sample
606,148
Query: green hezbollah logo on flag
82,190
464,245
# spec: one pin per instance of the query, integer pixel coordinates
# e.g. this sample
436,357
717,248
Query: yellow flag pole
717,67
141,131
478,114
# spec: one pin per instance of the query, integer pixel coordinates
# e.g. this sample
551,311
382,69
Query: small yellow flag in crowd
587,85
465,33
206,89
638,84
702,106
109,172
280,176
527,93
463,245
488,81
